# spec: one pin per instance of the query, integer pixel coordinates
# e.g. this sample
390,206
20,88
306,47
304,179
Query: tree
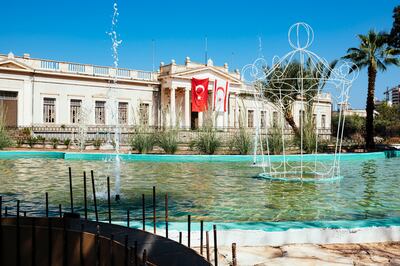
395,32
375,54
283,82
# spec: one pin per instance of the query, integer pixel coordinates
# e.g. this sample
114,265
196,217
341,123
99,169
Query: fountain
112,102
296,83
83,121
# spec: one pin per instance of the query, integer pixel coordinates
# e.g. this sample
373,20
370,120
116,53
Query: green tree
283,82
375,54
395,32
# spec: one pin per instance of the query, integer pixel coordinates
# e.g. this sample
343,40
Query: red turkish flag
220,95
199,94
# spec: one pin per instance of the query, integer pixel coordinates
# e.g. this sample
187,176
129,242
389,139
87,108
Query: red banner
199,95
220,95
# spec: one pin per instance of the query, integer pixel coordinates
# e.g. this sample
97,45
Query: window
122,113
100,112
323,121
75,110
250,118
144,113
275,119
49,110
263,119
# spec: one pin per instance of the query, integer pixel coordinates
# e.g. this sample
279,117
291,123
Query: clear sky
75,30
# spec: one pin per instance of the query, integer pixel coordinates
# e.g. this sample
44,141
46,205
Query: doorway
9,108
194,121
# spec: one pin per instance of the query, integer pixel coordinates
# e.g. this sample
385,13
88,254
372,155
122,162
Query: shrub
31,140
168,141
67,142
143,141
97,143
5,140
352,124
20,141
41,140
241,141
54,142
207,141
274,141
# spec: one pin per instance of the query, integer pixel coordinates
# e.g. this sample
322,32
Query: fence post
85,193
94,196
215,246
143,213
18,238
201,237
189,231
70,189
154,210
109,199
207,246
166,215
234,260
47,204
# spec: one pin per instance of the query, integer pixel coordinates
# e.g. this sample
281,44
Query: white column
236,111
172,107
187,108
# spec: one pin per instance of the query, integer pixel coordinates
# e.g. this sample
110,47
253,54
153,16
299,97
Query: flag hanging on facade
199,94
220,95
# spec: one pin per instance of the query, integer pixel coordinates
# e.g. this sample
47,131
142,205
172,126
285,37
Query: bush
207,141
97,143
352,124
143,141
242,141
5,140
168,141
54,142
67,142
274,141
41,140
31,140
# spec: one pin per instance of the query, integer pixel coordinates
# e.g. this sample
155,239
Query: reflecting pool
212,191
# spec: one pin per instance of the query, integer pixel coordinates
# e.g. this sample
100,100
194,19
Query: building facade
39,92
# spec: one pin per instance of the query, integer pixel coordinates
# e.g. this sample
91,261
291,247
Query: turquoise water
221,189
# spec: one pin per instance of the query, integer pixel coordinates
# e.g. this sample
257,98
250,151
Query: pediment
14,65
206,72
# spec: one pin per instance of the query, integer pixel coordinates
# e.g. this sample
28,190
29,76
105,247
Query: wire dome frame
300,82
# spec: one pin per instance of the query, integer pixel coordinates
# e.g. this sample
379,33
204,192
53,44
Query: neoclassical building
41,92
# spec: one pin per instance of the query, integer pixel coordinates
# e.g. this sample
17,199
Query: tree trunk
289,118
369,122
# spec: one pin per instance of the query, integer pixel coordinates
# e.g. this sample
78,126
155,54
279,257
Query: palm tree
375,54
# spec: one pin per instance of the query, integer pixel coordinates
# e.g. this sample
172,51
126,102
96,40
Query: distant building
392,95
396,95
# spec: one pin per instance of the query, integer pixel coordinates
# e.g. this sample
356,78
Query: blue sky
75,31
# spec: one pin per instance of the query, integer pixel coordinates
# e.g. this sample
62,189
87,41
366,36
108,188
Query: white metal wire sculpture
299,79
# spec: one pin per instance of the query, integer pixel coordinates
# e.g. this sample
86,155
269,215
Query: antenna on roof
206,51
